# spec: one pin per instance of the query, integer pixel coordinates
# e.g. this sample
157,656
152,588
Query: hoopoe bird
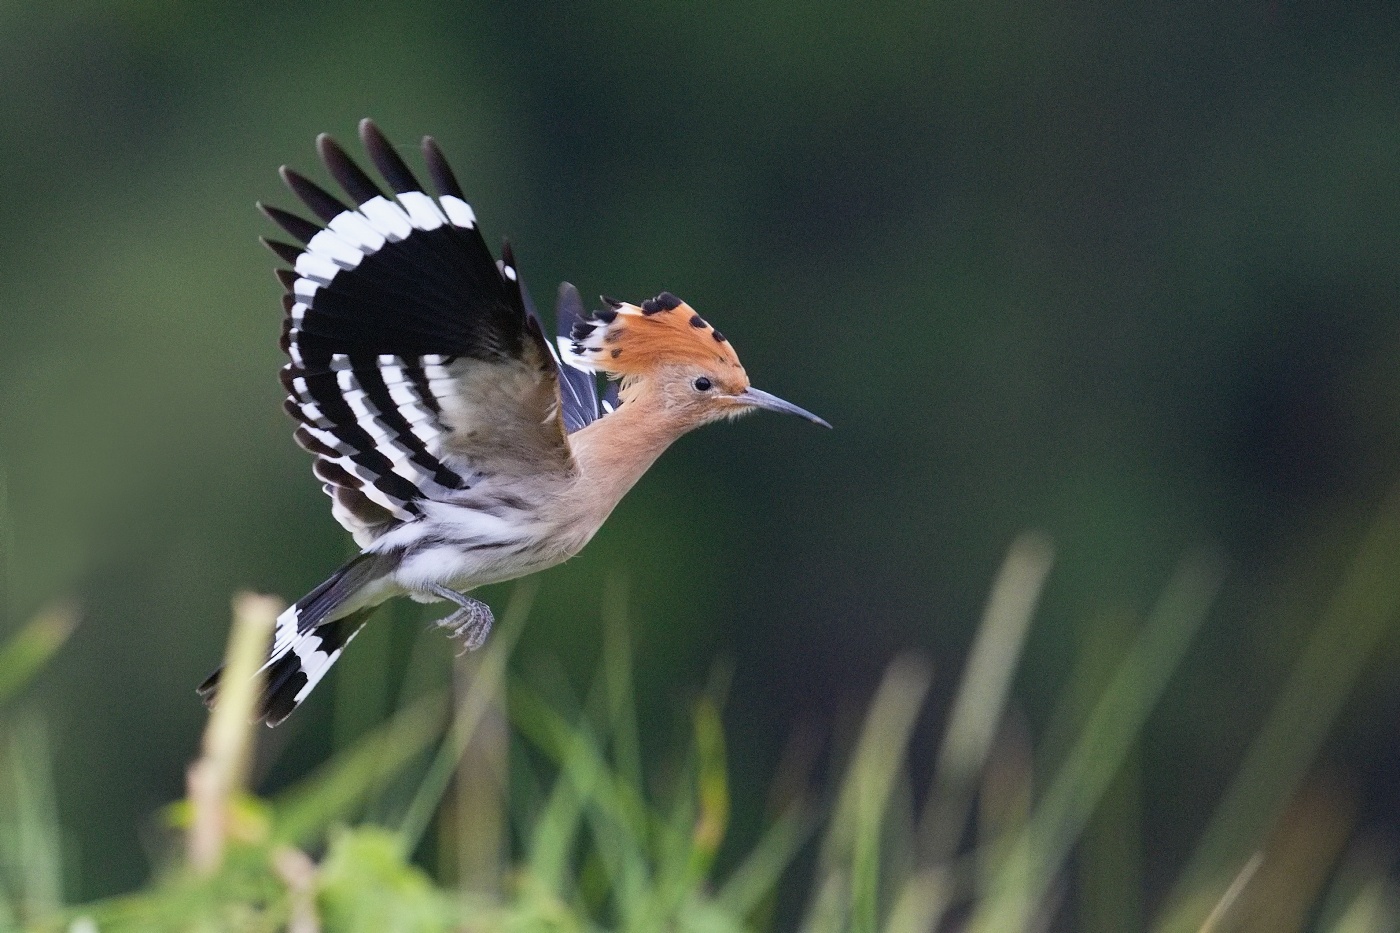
458,445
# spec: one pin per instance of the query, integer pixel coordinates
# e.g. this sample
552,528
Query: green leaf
368,886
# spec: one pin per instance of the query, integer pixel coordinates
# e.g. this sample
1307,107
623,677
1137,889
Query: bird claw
470,624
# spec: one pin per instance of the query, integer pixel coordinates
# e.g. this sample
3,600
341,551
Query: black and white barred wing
415,365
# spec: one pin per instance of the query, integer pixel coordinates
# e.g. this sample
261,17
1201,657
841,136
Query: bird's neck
613,452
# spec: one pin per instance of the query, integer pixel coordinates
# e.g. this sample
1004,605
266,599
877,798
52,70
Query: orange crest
632,340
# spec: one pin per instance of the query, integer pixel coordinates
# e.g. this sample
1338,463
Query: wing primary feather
370,379
382,154
324,390
526,302
514,283
419,379
285,251
287,277
347,174
308,442
523,305
288,374
300,228
508,263
328,471
322,203
441,172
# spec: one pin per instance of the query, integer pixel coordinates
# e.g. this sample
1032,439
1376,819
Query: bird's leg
471,623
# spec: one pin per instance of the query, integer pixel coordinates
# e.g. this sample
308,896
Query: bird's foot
470,624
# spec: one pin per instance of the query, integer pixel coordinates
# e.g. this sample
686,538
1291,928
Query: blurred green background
1124,273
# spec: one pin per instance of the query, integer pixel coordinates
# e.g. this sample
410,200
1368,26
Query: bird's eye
703,384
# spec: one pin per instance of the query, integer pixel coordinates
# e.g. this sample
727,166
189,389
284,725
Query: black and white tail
311,634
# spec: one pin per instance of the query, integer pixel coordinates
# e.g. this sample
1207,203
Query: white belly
461,548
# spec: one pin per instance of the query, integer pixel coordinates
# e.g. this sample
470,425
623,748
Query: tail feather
293,676
310,635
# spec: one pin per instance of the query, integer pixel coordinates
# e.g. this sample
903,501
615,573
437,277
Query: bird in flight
458,445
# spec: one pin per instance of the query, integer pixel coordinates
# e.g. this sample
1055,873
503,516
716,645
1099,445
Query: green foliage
366,885
608,843
31,865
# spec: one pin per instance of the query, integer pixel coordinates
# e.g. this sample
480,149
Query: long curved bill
760,399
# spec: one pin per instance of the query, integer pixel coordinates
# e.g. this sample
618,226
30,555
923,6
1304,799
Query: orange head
662,347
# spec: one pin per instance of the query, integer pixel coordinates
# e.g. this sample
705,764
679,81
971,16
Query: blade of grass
29,649
1360,614
1005,796
1363,877
1108,872
1232,894
685,846
1374,909
221,771
830,906
536,710
339,787
922,901
427,671
758,874
552,841
672,846
852,842
1300,856
982,693
7,551
618,818
613,811
712,773
34,845
552,835
472,830
487,684
609,718
880,757
647,894
1038,855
